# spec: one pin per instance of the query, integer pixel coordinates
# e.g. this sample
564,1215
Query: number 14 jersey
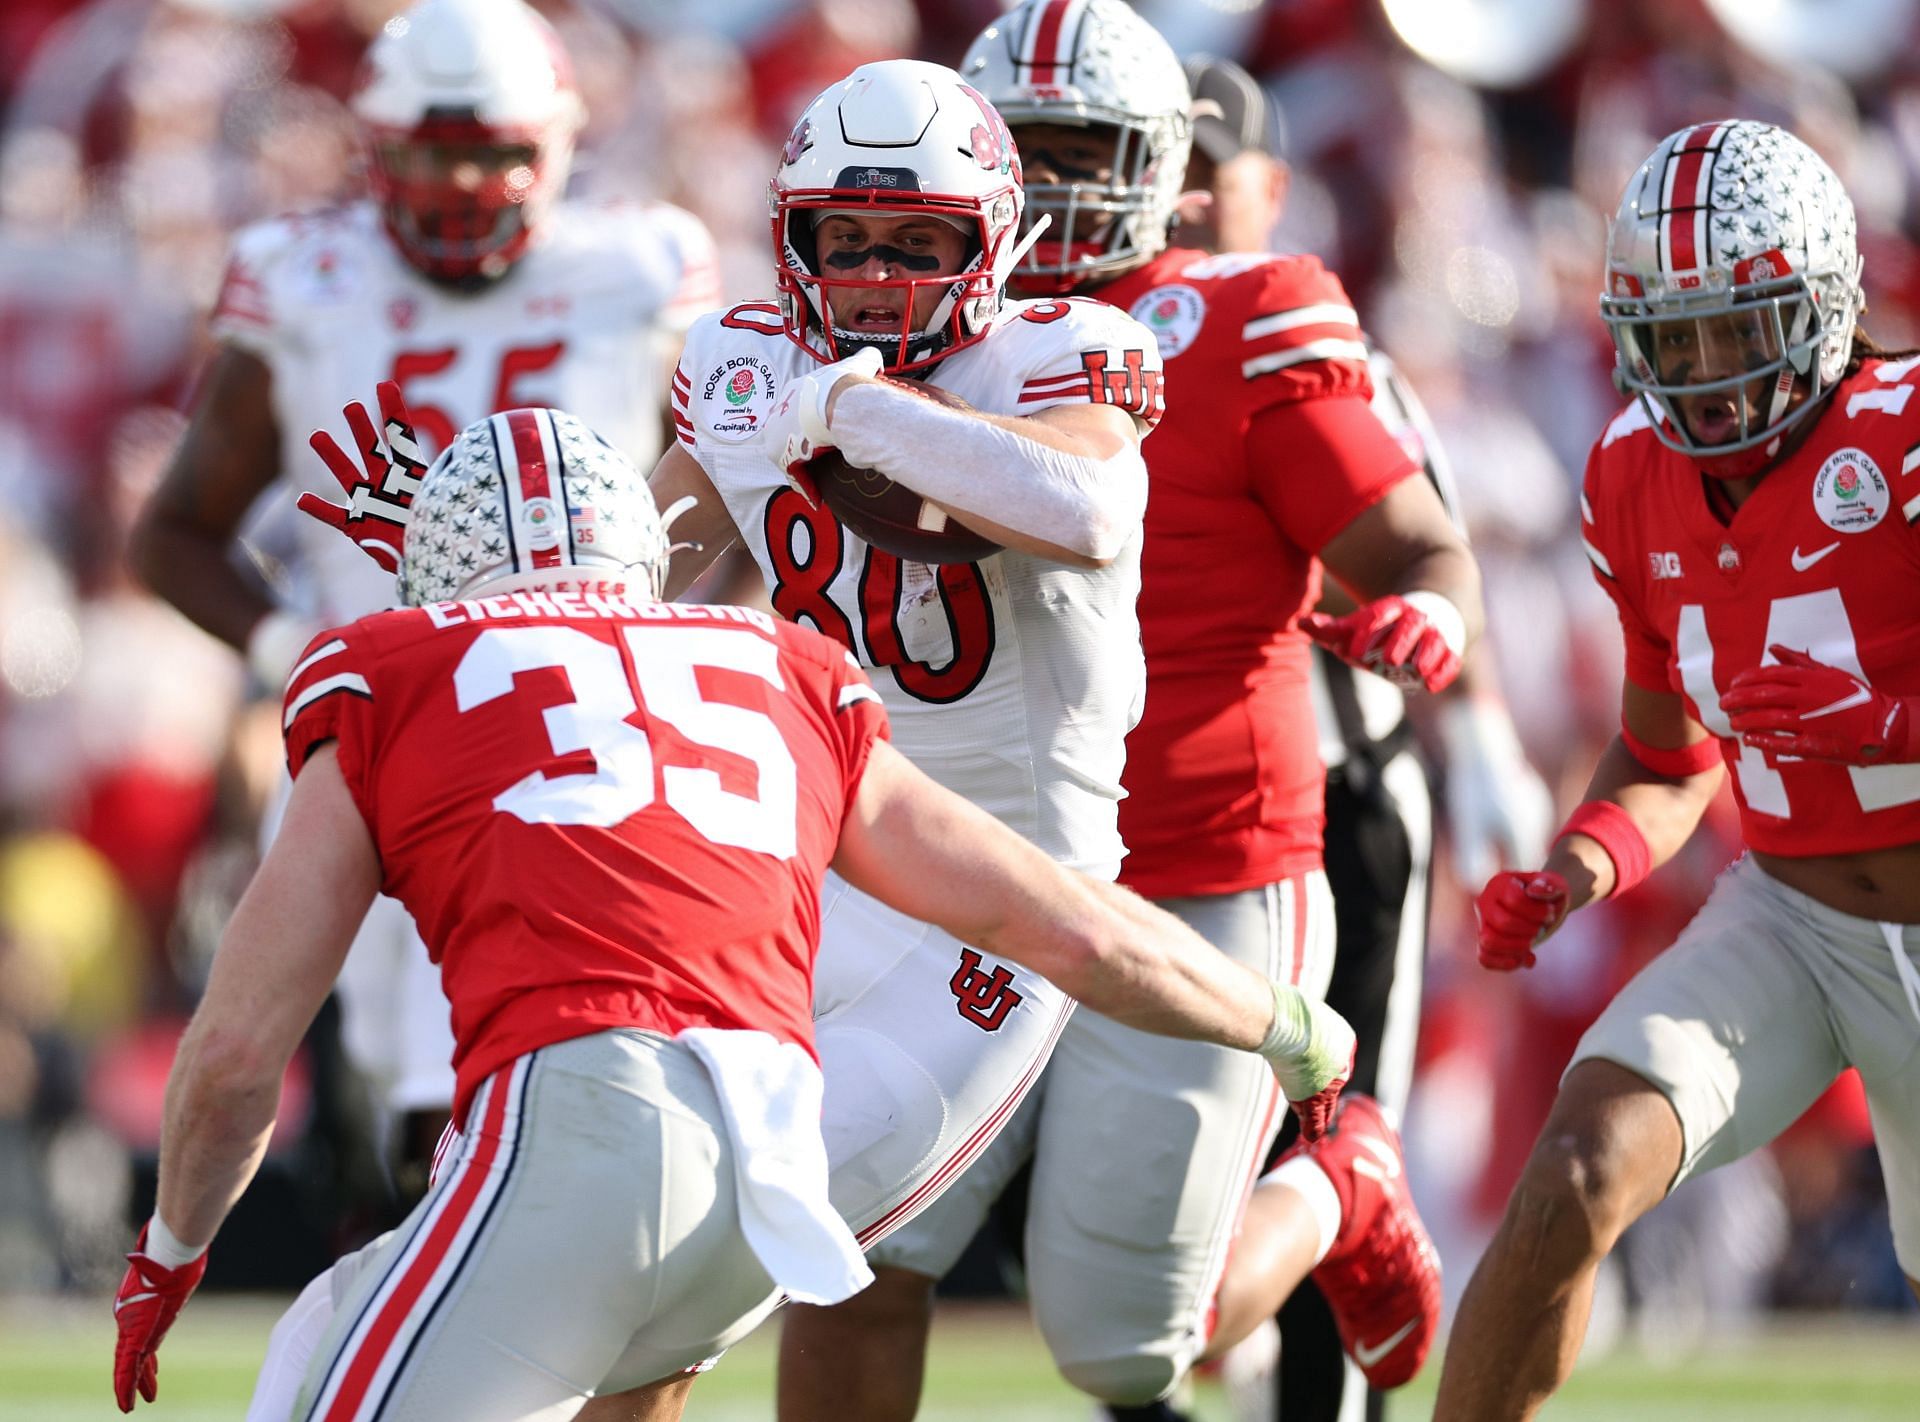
1012,681
1823,557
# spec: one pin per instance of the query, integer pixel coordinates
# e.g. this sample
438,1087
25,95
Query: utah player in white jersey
1755,517
1012,679
465,280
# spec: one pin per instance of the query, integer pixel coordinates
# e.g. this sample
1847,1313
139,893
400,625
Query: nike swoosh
1366,1357
1800,565
1858,696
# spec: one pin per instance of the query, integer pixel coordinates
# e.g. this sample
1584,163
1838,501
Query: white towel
770,1092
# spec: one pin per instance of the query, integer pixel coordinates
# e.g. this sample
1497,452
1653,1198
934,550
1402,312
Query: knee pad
1128,1381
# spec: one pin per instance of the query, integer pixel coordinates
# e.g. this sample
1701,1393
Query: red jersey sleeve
1648,652
859,718
329,697
1317,452
1317,464
1300,337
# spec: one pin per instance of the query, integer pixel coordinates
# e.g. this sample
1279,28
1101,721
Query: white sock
290,1347
1303,1175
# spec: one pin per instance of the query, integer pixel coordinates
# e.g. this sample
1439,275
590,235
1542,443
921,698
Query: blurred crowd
1456,163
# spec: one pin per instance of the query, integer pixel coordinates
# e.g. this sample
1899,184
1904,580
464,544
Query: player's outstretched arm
277,962
1646,797
276,965
927,852
705,527
182,540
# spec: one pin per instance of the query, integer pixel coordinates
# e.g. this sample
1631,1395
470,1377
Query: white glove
796,427
1499,810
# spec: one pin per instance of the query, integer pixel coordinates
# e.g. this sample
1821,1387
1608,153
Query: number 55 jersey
581,323
1823,557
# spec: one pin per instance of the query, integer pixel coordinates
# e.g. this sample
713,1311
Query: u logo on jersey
985,997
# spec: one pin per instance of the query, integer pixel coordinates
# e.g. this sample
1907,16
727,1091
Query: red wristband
1676,764
1613,829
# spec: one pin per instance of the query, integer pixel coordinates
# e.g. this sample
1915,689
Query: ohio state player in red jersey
1752,515
611,818
468,279
1272,464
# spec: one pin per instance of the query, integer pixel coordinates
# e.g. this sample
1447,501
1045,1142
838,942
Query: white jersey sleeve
687,244
732,365
1076,351
257,309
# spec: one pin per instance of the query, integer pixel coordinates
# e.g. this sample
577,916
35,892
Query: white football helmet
1732,271
897,137
1092,62
470,113
521,497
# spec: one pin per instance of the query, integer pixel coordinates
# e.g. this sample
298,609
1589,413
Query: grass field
986,1364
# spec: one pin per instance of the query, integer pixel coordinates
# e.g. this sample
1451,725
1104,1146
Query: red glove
150,1298
1808,709
1515,912
1393,637
380,501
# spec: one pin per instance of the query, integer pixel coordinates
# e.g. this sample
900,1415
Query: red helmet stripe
533,479
1044,54
1683,222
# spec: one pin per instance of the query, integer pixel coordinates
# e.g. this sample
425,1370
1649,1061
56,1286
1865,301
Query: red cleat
1381,1277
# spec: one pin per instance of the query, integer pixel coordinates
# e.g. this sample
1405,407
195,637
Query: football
891,516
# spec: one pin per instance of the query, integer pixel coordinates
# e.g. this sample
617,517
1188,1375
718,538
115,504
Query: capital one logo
985,996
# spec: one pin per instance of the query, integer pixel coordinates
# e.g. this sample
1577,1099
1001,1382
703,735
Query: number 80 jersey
1012,681
1823,557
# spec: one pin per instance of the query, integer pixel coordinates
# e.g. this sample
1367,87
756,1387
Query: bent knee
1129,1381
1581,1189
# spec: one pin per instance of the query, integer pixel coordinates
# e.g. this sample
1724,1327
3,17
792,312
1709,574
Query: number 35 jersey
579,323
1012,681
600,813
1823,557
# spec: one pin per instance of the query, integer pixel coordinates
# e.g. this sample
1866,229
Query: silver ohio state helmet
1738,227
522,497
897,138
1092,62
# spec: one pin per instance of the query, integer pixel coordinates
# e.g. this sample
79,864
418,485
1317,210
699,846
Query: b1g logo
738,396
985,996
1849,493
1173,314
